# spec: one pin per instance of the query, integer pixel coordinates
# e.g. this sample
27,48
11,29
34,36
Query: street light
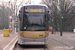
60,17
50,4
53,1
73,19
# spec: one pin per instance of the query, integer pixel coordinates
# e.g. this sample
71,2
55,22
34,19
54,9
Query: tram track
34,48
28,47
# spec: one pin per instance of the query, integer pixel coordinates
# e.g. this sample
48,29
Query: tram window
32,21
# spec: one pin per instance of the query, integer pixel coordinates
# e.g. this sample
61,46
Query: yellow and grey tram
33,25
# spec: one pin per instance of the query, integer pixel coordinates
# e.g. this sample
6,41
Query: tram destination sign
34,10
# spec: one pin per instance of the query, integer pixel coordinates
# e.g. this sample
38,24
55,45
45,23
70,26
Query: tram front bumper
33,43
30,41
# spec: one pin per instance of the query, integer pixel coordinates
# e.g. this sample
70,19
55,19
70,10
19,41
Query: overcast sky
19,1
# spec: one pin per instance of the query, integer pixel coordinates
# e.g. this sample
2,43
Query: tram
33,25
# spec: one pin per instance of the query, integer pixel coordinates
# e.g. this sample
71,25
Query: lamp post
60,17
3,13
73,18
17,19
53,13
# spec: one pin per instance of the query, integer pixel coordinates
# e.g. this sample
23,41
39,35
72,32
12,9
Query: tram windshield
34,18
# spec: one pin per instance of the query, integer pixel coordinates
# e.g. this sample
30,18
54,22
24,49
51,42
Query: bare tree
66,13
54,12
8,8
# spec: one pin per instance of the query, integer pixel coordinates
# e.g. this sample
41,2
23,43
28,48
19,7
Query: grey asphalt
67,40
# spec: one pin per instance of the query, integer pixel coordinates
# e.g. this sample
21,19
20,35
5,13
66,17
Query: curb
12,47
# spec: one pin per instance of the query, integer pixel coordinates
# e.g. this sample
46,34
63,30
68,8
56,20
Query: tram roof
34,4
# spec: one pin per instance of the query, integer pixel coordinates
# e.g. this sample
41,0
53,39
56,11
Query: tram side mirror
48,11
20,17
48,15
19,11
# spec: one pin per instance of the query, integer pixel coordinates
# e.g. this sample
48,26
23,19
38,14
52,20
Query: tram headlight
20,31
47,31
